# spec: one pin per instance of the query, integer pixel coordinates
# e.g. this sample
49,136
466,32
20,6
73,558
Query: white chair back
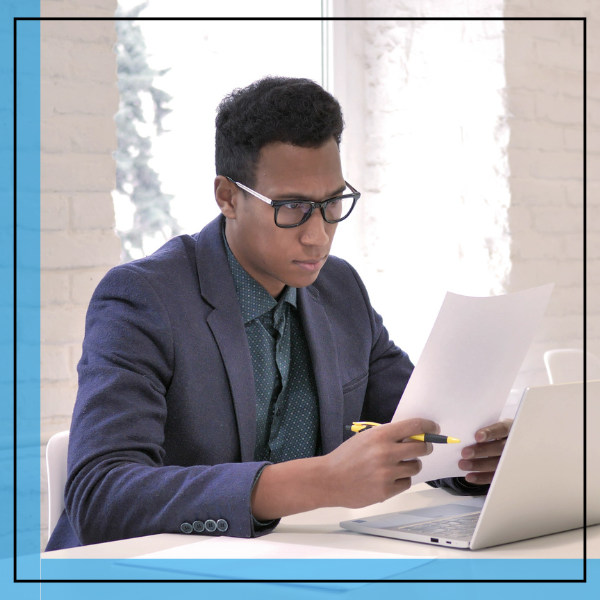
56,468
566,365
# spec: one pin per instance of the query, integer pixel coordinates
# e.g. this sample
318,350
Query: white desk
320,529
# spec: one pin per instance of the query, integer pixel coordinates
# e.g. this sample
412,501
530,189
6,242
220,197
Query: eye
297,206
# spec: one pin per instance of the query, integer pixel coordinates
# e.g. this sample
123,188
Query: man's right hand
370,467
376,464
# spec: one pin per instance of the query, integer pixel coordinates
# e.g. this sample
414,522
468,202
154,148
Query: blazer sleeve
118,483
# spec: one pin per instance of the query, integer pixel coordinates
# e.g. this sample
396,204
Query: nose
316,231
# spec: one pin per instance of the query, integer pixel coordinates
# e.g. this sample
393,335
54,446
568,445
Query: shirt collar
253,298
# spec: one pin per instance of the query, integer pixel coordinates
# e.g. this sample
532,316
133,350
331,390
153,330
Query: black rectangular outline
321,19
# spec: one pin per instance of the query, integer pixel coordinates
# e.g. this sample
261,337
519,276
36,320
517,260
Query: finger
400,430
409,450
481,465
399,486
497,431
398,479
406,468
483,450
405,451
479,478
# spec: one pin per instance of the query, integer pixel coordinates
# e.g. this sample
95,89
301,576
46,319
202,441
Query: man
219,374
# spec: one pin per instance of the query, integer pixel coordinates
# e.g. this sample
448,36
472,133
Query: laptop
538,486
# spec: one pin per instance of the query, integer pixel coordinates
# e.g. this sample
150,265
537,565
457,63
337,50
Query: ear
225,195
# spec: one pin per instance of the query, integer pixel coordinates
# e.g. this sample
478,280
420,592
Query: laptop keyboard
460,528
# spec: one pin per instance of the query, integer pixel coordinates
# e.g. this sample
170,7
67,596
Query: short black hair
272,109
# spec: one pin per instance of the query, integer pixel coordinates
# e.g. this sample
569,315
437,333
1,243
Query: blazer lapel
227,326
323,354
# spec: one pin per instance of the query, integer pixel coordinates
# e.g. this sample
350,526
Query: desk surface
320,530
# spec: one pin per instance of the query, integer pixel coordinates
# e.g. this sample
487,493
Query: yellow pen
422,437
434,438
361,426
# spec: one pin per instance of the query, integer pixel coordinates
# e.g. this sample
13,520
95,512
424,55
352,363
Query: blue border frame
20,228
28,292
28,422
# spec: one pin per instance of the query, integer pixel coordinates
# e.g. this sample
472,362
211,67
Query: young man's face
273,256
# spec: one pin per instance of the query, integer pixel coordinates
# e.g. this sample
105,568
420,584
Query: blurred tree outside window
196,52
142,108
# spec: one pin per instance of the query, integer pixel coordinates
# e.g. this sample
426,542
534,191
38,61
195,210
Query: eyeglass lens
293,212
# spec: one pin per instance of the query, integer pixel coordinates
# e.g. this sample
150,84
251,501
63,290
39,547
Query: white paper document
469,363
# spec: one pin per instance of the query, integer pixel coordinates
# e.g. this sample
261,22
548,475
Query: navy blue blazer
163,428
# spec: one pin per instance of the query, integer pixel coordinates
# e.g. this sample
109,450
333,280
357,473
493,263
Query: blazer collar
216,281
227,326
324,357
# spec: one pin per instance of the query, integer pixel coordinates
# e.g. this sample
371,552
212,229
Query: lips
313,264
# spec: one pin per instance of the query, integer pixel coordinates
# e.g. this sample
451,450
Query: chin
305,280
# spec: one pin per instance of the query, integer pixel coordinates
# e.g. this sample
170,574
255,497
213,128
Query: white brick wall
592,11
541,138
428,157
544,101
79,98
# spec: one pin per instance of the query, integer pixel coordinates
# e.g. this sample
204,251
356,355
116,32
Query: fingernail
481,436
466,465
468,453
471,477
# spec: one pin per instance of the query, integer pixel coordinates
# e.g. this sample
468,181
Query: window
207,60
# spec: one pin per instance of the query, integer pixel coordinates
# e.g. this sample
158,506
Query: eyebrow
308,199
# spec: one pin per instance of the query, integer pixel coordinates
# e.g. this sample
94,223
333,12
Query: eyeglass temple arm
247,189
268,200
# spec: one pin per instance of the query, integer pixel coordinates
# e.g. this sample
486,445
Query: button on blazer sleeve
120,481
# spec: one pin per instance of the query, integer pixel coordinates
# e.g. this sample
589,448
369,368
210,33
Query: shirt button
198,526
210,525
186,528
222,525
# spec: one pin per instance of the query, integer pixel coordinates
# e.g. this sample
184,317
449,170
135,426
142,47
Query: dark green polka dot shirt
287,408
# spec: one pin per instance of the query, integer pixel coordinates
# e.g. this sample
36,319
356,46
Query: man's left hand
482,458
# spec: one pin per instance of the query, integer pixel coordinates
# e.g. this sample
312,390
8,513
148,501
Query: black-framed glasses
292,213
